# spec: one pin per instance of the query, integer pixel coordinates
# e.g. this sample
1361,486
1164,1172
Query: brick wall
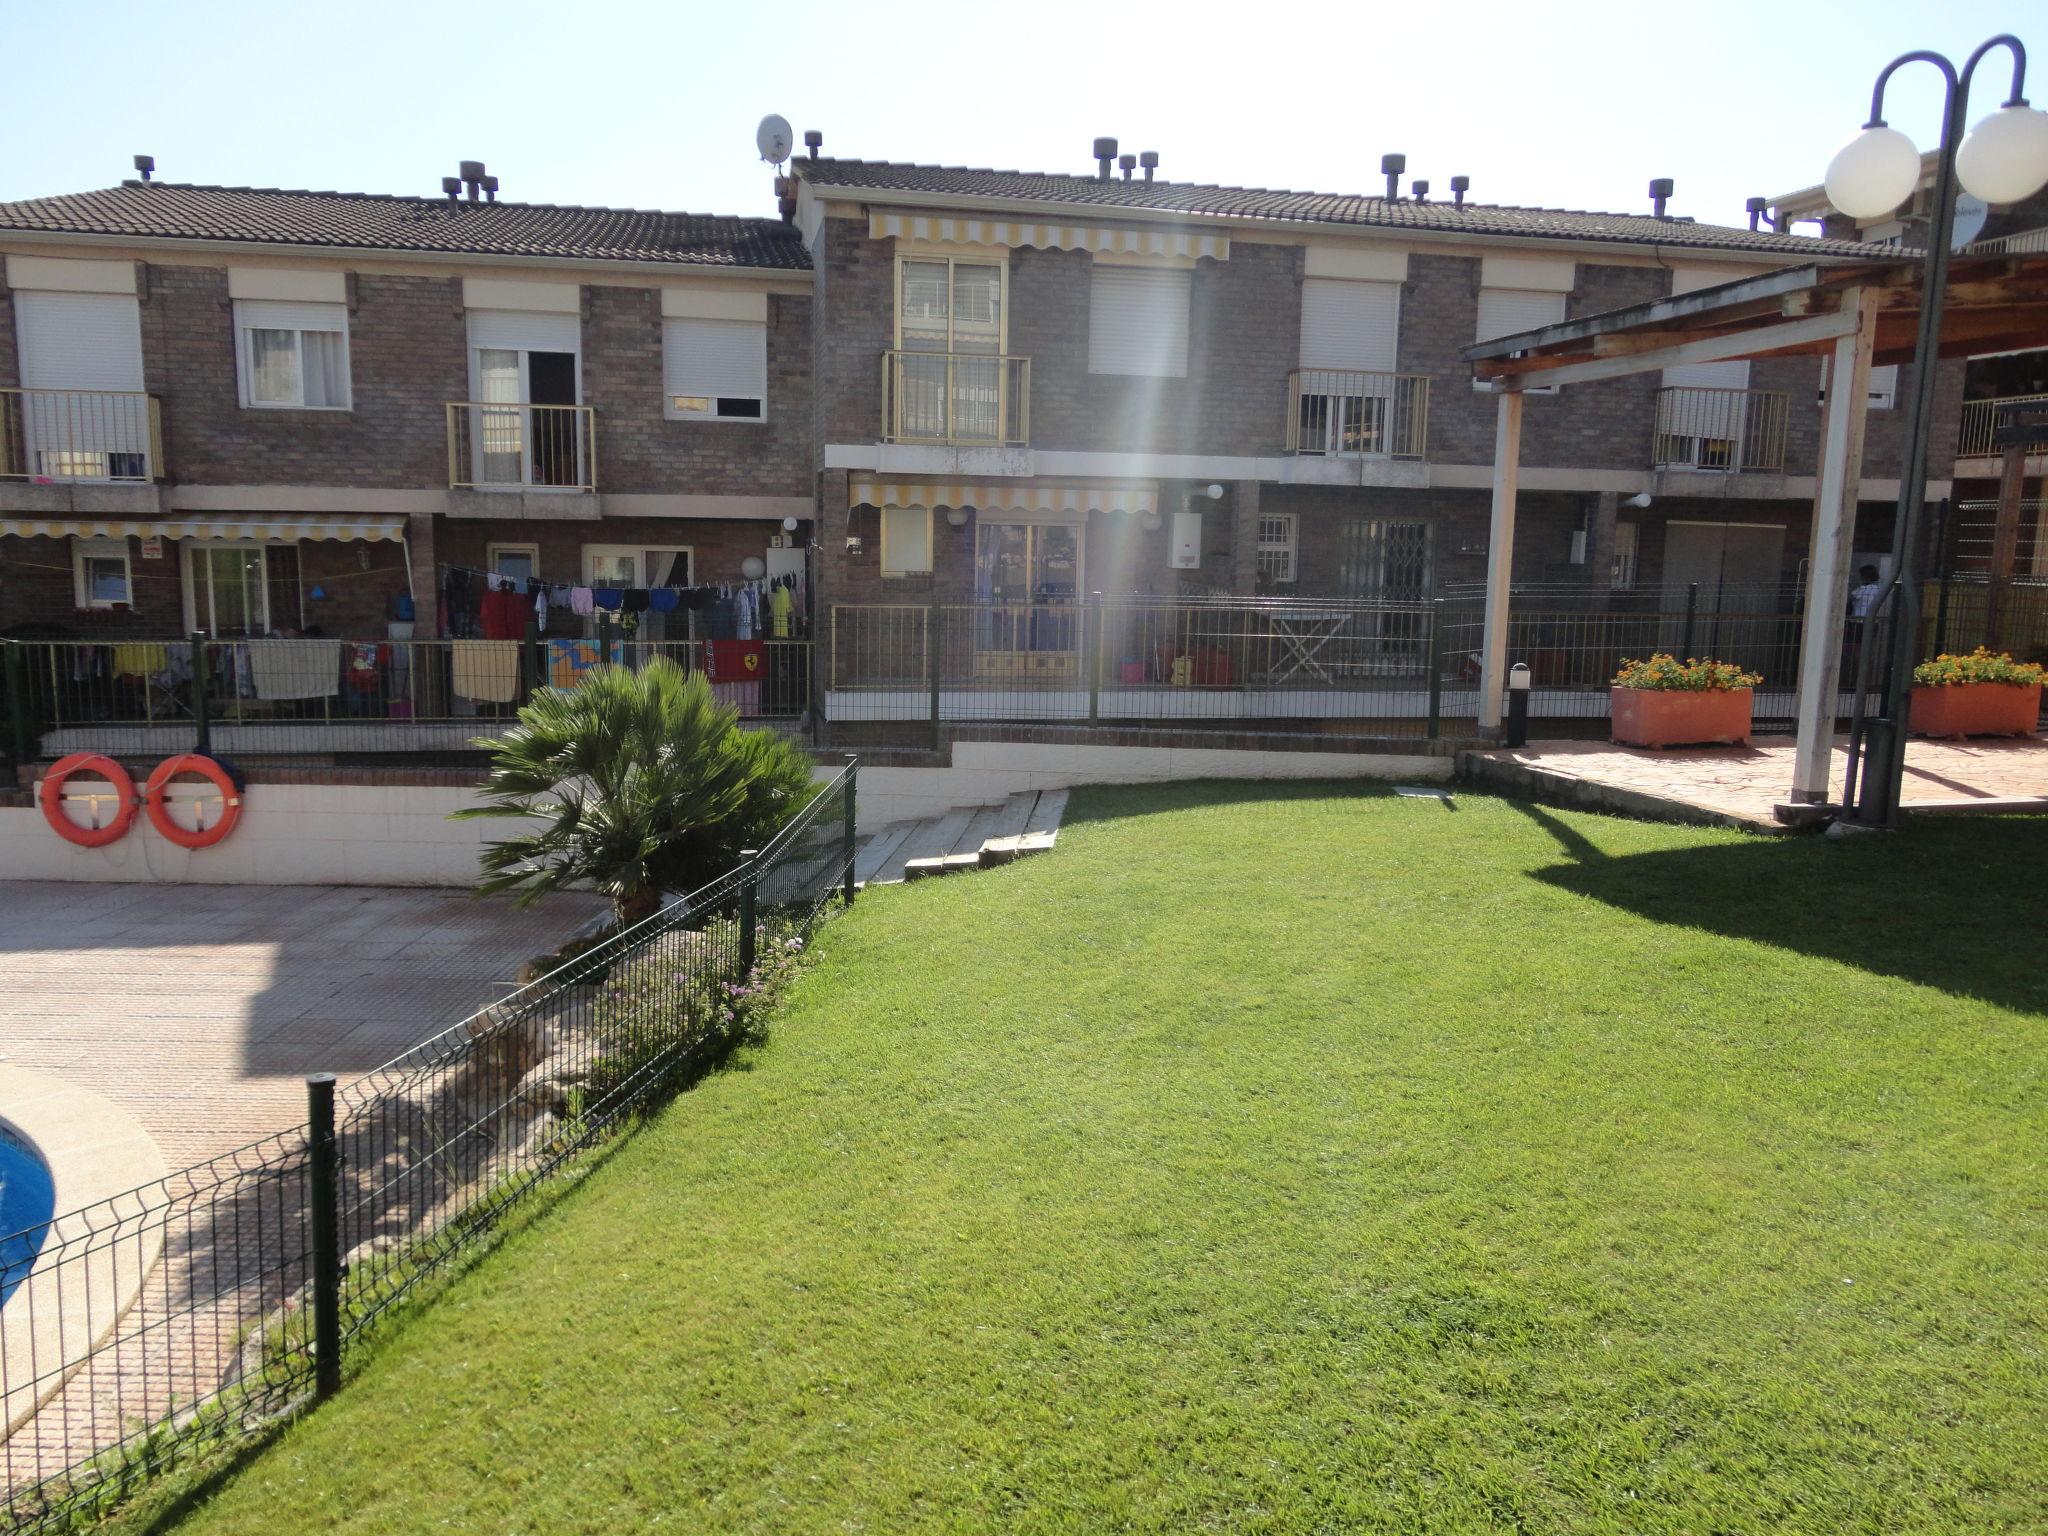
10,362
36,592
639,450
406,357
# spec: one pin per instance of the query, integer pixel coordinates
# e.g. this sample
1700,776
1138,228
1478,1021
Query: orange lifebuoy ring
155,796
51,798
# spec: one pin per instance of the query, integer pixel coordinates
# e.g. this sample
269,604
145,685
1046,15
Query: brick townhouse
247,411
1035,384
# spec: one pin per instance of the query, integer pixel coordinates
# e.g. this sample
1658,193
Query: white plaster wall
290,834
988,772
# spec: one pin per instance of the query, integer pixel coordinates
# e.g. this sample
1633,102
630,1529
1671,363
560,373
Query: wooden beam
2005,542
1762,340
1832,546
1500,559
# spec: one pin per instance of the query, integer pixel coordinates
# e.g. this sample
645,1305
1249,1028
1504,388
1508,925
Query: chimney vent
145,166
1460,185
452,185
1149,159
1756,207
1420,189
1105,151
813,141
1660,194
1391,167
490,186
1127,164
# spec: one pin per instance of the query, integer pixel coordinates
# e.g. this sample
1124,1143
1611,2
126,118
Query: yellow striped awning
1049,237
280,529
1051,502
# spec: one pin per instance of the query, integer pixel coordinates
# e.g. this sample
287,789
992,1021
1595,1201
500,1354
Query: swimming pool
28,1198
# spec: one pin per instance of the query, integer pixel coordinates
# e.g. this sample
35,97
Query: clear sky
645,104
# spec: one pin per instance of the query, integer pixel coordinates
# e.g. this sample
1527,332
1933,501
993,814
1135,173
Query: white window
228,587
99,573
1510,311
906,541
714,370
1276,546
521,562
1138,321
948,305
1883,389
292,356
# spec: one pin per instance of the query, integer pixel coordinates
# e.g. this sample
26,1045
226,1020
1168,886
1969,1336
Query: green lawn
1294,1159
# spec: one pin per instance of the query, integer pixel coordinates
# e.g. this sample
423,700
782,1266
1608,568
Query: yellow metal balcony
1363,415
1730,431
1982,418
48,435
516,444
957,398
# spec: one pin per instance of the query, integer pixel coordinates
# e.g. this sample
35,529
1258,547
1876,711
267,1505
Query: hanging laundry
634,600
503,613
581,601
781,610
732,661
295,669
570,660
664,600
610,599
487,670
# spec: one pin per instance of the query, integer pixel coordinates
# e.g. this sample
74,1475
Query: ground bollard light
1518,705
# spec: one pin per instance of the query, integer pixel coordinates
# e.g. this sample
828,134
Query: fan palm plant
639,782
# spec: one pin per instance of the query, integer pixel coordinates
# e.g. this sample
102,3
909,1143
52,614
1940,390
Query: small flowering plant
1665,673
1980,666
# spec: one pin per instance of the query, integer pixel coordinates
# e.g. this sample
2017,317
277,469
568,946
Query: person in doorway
1864,599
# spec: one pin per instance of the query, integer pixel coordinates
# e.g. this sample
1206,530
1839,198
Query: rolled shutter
277,315
1510,311
515,330
1138,321
78,340
1354,326
715,357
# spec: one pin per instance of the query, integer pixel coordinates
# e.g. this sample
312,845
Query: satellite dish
1970,215
774,138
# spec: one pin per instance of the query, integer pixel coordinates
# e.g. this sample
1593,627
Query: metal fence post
1091,620
1433,650
931,665
748,883
1941,616
17,705
849,846
1692,608
529,662
202,705
324,1211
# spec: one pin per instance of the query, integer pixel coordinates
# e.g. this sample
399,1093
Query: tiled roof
161,210
876,176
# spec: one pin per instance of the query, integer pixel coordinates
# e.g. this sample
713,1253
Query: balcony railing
956,398
508,445
1726,430
1367,415
2020,243
80,434
1983,418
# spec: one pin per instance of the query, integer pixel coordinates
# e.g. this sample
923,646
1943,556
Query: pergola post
1500,558
1832,548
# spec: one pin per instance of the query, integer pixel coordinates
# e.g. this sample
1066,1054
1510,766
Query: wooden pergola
1859,315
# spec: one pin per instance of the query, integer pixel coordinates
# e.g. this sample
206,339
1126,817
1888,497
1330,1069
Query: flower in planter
1665,673
1980,666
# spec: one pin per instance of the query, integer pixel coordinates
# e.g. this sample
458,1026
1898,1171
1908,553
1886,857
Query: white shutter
714,357
273,315
1707,416
514,330
1733,375
1138,321
1510,311
78,340
1350,325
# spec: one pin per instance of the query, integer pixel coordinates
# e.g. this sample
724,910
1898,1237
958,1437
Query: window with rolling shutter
292,355
1352,326
1138,321
1510,311
714,370
79,340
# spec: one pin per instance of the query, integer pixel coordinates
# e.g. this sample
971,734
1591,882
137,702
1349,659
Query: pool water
28,1198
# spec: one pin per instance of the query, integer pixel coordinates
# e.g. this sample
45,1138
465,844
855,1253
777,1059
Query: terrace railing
80,434
1367,415
208,1302
1731,430
1983,418
508,445
956,398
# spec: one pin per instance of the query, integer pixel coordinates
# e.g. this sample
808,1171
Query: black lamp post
2004,160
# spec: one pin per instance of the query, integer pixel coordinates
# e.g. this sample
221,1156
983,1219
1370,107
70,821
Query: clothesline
494,606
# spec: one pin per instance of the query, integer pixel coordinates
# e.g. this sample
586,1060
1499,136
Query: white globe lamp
1873,173
2005,158
753,568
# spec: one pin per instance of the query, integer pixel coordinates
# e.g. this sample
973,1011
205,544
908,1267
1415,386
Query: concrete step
966,837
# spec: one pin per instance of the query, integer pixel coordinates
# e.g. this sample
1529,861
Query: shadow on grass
1120,802
1953,904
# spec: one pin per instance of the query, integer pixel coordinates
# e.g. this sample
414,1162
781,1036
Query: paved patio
199,1009
1739,786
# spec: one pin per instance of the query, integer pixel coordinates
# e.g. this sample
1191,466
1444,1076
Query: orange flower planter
1660,717
1976,709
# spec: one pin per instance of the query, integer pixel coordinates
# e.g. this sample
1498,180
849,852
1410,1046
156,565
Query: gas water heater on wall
1186,553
